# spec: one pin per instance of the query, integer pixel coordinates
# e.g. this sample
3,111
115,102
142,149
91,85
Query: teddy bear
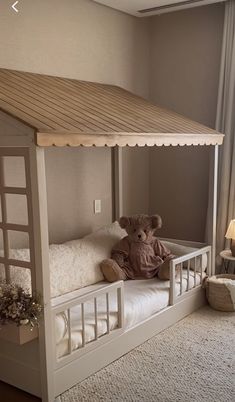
139,254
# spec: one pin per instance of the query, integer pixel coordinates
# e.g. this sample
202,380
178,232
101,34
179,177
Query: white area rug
191,361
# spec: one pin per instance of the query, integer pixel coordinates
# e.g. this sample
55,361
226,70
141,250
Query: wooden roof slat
119,111
147,127
44,95
66,111
45,103
33,107
62,97
23,117
135,118
77,98
158,112
161,114
132,101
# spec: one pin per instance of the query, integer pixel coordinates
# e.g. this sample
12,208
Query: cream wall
136,191
185,59
75,178
78,39
173,59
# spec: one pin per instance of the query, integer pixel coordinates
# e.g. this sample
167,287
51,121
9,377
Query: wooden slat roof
66,111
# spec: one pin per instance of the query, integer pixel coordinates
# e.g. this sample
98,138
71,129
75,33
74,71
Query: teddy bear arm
120,258
162,251
166,256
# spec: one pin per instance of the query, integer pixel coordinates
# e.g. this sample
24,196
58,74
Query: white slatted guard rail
65,308
120,300
195,271
11,153
69,332
172,283
193,263
209,268
107,310
181,278
201,272
83,325
96,318
188,269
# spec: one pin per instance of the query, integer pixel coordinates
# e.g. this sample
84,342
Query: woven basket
219,295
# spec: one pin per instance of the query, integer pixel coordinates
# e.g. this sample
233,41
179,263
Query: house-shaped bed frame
39,111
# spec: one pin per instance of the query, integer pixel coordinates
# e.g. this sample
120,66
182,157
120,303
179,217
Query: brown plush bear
140,254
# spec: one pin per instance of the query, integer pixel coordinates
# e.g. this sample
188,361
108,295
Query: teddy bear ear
156,221
124,221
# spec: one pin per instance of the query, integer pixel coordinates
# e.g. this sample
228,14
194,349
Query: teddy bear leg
111,271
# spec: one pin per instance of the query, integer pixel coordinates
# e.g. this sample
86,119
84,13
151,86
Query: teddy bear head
140,228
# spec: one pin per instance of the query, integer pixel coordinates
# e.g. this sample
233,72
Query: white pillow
74,264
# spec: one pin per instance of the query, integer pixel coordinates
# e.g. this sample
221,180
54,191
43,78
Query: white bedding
76,264
142,298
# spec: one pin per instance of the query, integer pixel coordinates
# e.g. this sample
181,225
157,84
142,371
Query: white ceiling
133,6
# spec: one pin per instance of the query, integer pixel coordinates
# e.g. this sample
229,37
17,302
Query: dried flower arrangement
19,306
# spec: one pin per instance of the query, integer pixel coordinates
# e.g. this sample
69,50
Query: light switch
97,206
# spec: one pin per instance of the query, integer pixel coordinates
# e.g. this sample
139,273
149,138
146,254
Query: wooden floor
12,394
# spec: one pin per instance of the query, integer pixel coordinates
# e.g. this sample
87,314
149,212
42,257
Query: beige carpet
191,361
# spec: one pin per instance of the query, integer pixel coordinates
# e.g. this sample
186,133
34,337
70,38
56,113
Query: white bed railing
65,309
193,259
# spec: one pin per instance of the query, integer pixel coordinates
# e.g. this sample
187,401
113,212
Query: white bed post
41,260
117,182
213,206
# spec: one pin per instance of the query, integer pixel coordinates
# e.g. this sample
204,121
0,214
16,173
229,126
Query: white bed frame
33,366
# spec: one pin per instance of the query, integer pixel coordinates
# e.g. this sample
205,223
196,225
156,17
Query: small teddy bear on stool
140,254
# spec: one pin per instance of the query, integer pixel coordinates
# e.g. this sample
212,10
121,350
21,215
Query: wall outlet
97,206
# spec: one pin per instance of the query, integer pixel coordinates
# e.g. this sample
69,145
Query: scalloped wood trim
46,139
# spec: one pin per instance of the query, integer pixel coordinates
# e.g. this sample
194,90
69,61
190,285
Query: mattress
142,299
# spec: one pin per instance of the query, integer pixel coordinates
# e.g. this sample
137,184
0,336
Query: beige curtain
225,122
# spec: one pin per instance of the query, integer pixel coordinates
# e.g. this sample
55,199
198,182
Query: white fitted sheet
142,299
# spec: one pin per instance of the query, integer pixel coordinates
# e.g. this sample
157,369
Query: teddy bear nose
139,236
